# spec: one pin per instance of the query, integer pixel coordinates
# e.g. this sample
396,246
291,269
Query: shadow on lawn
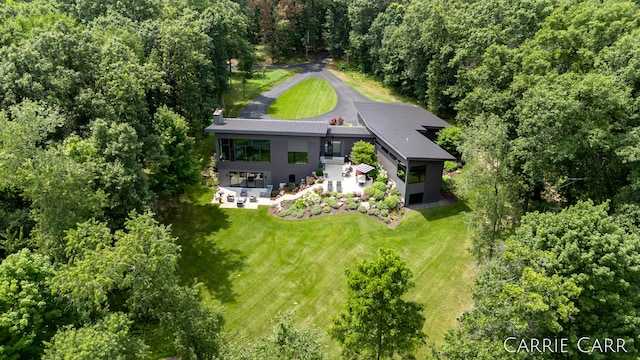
213,266
445,211
195,224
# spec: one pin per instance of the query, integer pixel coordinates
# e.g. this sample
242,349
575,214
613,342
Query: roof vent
218,117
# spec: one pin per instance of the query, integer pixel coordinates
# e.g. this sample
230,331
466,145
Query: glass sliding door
246,179
332,148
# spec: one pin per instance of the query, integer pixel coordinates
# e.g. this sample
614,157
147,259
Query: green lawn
366,84
310,97
238,98
257,265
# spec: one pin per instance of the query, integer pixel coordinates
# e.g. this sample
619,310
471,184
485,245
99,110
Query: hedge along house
255,153
405,145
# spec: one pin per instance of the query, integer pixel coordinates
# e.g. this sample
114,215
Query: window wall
298,157
402,171
417,174
249,150
246,179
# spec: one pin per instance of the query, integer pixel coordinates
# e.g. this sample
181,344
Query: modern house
255,153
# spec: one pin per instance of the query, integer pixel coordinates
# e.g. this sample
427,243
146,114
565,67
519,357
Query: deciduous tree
375,322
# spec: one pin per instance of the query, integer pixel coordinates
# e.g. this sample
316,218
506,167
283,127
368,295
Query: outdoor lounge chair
231,198
339,186
243,192
330,185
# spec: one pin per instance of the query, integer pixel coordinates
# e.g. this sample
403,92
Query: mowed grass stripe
258,266
310,97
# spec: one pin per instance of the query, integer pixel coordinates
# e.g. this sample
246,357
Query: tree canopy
375,322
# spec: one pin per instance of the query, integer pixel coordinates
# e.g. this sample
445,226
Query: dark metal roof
269,127
399,125
359,131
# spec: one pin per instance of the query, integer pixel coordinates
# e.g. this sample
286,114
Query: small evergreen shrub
316,210
298,213
382,186
384,213
387,220
362,209
394,191
333,203
450,166
391,201
373,211
374,193
352,205
349,195
382,205
326,209
284,213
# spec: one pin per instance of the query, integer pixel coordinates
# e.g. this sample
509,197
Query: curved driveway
257,108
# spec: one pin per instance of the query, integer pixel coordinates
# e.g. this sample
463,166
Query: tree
29,311
109,338
176,165
286,342
133,270
363,152
375,322
562,274
488,183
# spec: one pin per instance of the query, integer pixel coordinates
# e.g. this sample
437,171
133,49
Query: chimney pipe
218,117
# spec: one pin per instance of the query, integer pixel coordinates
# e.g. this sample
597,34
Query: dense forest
102,103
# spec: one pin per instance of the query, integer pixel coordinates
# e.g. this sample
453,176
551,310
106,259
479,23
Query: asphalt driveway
257,108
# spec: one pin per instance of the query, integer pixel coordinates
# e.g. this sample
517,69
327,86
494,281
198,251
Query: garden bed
383,205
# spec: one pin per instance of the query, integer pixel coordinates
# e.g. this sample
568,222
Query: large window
245,150
246,179
417,174
402,172
298,157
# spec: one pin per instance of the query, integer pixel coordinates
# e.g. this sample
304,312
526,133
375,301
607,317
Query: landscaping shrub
447,184
352,205
333,194
298,213
362,209
333,203
316,210
284,213
339,196
382,186
382,205
364,197
391,201
363,152
373,211
384,213
394,191
319,172
449,139
387,220
326,208
311,198
450,166
374,193
349,196
300,204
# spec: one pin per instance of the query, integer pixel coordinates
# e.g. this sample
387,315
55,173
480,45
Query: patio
228,197
349,183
